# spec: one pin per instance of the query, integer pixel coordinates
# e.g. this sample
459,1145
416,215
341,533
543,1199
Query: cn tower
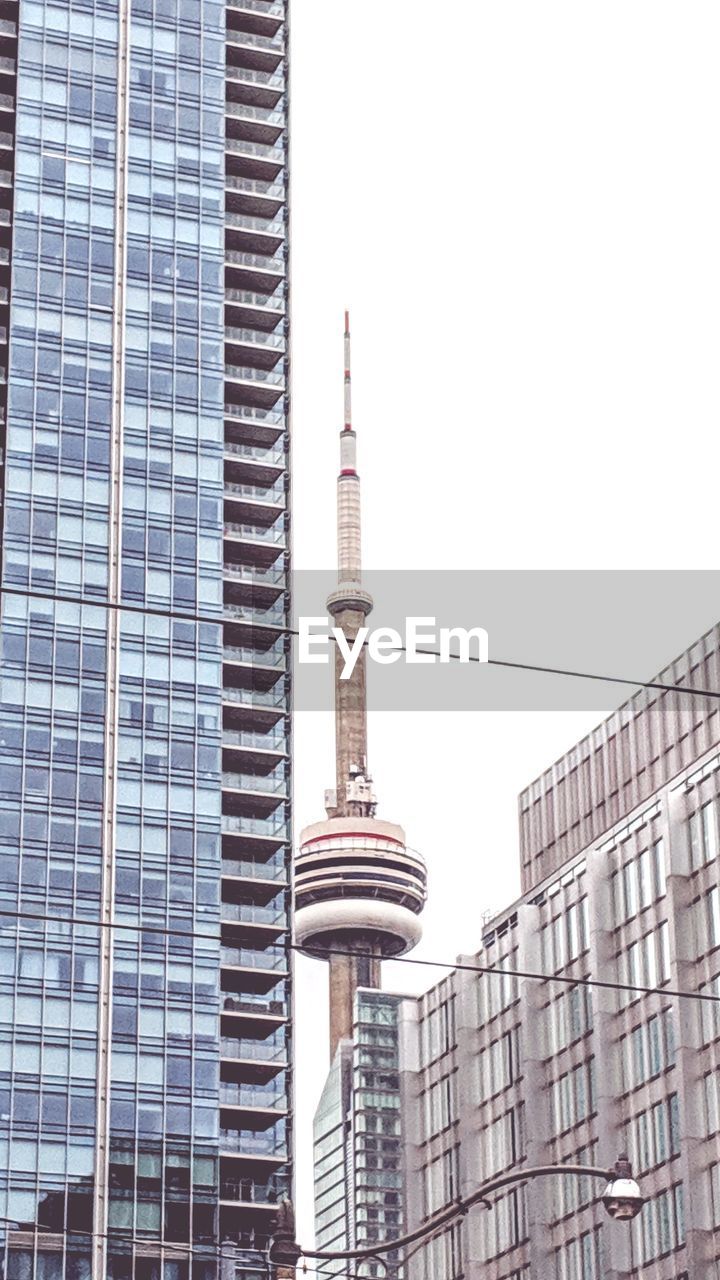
359,891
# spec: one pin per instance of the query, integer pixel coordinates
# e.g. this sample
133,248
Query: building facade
358,1138
144,824
500,1071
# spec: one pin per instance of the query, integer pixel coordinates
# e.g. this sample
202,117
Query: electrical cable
488,970
221,619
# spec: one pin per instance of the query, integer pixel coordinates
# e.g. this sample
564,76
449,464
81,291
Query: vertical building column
468,1112
112,685
534,1050
608,1067
685,975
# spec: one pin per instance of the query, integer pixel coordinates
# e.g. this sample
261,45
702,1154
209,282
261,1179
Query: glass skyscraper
358,1140
144,825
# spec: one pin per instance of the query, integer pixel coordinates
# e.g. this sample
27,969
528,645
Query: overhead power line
220,619
532,975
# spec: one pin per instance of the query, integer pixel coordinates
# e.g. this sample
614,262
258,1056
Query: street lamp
621,1198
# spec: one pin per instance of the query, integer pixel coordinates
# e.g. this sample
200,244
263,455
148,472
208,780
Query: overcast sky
519,201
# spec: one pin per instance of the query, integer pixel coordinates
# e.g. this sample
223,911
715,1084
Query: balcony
269,455
245,585
261,1051
254,1018
273,534
244,196
245,794
265,623
268,498
259,88
272,379
259,20
256,882
261,309
275,343
264,1195
242,748
253,160
271,118
275,830
238,1069
239,123
258,428
274,658
249,51
268,878
251,1147
253,916
273,740
268,1098
276,697
272,786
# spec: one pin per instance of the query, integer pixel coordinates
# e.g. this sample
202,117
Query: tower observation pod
359,890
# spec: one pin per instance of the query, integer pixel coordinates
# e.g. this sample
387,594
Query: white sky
520,203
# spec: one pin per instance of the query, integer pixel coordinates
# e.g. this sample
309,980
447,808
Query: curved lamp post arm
447,1215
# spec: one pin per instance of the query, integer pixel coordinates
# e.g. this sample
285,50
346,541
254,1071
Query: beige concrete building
619,850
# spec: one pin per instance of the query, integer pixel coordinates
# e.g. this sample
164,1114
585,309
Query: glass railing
262,301
272,827
265,115
246,373
7,64
255,1004
258,40
6,139
248,1192
248,1095
268,1142
273,616
273,7
256,870
261,578
7,101
255,186
270,658
254,697
273,264
255,337
273,494
274,534
273,740
249,75
249,913
253,1050
263,453
269,265
273,152
256,414
255,782
245,958
8,28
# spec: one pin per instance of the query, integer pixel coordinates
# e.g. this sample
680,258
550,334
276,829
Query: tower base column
347,973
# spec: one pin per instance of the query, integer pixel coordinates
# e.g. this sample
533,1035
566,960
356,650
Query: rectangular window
648,1049
703,835
660,1228
653,1136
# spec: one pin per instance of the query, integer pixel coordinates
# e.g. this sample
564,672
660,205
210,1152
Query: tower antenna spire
348,376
